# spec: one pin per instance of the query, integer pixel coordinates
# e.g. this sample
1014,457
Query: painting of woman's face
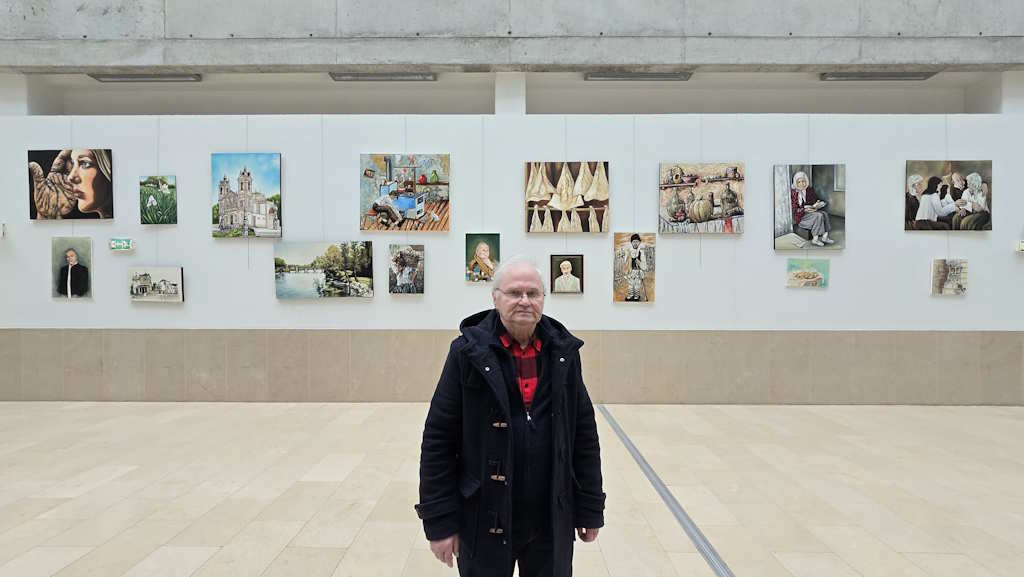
801,183
90,187
483,251
565,267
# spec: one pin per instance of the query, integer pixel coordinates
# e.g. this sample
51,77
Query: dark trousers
535,560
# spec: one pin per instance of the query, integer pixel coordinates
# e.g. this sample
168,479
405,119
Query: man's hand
446,549
52,193
586,535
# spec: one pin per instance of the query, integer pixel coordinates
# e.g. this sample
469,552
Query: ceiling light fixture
147,77
873,76
638,76
383,76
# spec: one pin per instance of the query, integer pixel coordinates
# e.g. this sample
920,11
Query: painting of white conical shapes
698,198
567,197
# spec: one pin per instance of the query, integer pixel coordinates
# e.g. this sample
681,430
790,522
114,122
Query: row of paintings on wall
345,269
410,192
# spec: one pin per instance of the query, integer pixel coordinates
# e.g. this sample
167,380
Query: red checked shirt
526,365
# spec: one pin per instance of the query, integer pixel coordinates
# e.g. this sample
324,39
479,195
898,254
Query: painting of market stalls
323,270
567,197
407,192
701,198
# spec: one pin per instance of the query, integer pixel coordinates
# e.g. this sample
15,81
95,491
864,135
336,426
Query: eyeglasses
531,294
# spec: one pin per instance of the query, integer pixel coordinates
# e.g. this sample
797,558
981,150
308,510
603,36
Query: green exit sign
122,244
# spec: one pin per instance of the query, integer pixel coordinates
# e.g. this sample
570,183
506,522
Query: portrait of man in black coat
510,463
78,283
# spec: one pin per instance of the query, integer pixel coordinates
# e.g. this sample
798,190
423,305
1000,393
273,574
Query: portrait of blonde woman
77,184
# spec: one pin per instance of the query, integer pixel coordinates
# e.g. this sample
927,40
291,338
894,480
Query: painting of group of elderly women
948,195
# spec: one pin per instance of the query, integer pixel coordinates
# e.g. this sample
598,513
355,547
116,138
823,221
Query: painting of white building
246,194
156,284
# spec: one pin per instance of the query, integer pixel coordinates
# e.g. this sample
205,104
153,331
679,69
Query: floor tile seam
700,541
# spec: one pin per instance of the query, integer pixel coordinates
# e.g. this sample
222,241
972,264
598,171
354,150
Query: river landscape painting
323,270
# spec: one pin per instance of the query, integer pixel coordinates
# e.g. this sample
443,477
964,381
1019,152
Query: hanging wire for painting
71,144
808,155
634,175
156,232
700,158
807,159
245,225
483,173
323,192
405,148
565,159
945,158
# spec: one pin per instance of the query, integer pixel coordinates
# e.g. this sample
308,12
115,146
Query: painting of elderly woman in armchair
810,206
948,195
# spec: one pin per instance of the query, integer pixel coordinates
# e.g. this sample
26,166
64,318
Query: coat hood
484,328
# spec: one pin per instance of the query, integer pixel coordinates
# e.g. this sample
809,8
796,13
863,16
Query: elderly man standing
510,462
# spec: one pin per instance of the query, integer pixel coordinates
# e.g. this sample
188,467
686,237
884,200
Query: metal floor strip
692,531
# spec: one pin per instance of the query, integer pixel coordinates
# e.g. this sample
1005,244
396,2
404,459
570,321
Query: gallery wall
879,282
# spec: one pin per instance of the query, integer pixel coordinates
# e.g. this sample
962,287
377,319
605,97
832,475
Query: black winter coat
79,280
468,428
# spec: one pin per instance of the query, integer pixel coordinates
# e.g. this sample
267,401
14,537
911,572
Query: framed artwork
156,284
810,206
408,192
71,261
948,195
246,194
634,267
72,183
704,198
158,200
315,270
405,269
483,252
567,196
949,277
567,273
807,273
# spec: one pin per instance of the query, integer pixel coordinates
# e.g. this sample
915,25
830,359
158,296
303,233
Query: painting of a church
246,194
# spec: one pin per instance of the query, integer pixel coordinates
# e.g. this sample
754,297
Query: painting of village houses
323,270
697,198
407,192
155,284
246,197
567,197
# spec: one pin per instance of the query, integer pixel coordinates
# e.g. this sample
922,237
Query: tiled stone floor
193,489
